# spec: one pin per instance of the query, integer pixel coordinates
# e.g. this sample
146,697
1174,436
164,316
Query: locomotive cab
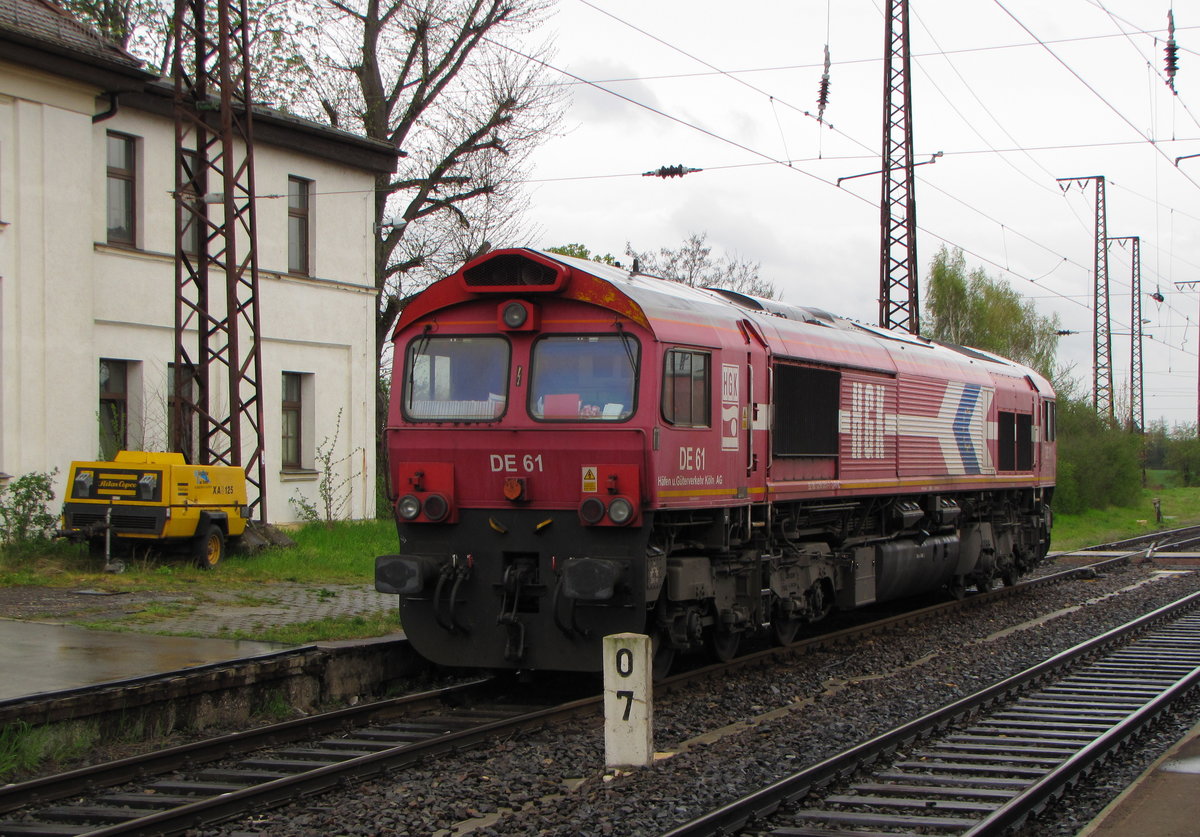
518,465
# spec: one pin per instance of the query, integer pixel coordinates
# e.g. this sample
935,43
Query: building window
299,191
686,388
114,407
293,408
121,205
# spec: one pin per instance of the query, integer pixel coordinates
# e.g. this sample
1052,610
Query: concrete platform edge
1119,807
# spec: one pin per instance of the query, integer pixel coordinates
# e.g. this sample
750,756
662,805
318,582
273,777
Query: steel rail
108,774
758,805
226,805
1013,813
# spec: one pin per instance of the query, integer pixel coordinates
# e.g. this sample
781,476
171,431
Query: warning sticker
589,479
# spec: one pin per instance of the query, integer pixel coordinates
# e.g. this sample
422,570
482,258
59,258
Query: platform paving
1163,802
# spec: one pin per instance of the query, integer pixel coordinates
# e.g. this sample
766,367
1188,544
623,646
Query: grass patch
341,554
147,614
273,706
25,748
337,627
1180,507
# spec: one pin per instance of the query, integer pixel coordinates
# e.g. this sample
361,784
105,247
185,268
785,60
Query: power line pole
1137,413
1102,376
216,236
898,268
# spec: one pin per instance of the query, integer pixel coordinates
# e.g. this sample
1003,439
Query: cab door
753,407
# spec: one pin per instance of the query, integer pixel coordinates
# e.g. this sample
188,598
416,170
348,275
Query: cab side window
687,385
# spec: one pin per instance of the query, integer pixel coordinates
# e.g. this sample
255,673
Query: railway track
288,760
986,763
1177,540
283,761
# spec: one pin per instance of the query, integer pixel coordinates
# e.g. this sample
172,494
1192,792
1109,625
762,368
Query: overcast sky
1010,115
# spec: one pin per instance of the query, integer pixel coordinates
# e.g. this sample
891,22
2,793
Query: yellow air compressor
144,497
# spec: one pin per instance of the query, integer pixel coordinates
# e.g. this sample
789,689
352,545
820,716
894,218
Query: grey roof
47,25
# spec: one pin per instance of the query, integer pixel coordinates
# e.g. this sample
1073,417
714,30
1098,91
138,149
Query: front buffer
517,588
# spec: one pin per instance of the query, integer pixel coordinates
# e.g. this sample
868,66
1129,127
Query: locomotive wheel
1010,578
983,583
820,602
209,547
723,644
783,631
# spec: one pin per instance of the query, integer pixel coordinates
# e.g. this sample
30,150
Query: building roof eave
110,76
283,130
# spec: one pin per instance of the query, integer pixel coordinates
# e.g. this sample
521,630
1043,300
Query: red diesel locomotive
577,450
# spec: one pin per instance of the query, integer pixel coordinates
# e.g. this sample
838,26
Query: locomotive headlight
408,507
436,507
591,511
620,511
515,315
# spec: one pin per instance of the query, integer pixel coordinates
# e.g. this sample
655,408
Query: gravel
554,782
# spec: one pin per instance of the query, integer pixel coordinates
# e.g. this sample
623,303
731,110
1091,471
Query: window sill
298,475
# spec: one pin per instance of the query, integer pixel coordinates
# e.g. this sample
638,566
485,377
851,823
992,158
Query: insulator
1171,51
671,171
823,89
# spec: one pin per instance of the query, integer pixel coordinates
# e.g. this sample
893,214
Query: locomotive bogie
578,451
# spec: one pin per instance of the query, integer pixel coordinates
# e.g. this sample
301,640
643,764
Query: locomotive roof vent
812,316
511,271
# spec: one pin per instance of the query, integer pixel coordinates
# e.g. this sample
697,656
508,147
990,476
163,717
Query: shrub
1098,462
25,515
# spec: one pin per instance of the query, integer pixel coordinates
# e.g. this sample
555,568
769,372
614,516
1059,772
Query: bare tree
440,80
437,80
693,264
275,31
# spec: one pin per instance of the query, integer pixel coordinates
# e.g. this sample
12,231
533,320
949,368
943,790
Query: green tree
1157,442
579,251
973,309
1183,453
693,264
1099,463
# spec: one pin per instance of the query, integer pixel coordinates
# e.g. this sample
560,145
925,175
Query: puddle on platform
45,658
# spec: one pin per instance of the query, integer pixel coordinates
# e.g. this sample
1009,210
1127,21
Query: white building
87,276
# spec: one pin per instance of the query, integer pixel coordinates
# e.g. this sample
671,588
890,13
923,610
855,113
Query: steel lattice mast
1137,411
898,301
216,236
1102,375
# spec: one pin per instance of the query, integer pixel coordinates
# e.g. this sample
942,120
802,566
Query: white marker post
628,704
